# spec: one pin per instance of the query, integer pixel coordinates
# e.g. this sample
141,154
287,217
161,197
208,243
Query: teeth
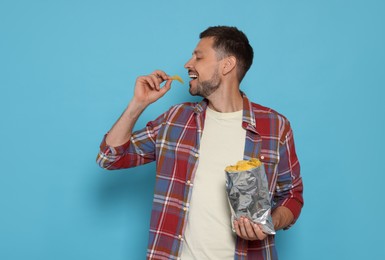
193,76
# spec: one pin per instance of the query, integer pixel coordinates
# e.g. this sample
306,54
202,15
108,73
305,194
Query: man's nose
188,64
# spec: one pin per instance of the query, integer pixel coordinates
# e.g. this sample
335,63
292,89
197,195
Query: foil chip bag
248,193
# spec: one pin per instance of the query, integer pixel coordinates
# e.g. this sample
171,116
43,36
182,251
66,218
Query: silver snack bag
248,195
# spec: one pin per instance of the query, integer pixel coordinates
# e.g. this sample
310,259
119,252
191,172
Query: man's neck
226,100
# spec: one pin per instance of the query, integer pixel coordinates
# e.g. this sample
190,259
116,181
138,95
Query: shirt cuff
295,207
113,150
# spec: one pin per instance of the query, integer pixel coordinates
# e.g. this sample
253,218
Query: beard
206,88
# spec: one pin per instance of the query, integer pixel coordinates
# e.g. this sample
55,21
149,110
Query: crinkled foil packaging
248,195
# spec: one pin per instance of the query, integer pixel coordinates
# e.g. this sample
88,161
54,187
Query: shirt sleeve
140,149
289,187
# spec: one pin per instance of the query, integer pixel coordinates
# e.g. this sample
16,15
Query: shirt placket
189,184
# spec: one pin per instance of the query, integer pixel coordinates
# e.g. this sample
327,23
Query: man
192,143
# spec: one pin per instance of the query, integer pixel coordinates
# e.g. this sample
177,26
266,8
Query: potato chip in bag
248,193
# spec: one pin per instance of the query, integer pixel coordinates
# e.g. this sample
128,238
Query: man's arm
288,196
282,217
117,150
147,91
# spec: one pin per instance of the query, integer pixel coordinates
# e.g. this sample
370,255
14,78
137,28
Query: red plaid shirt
172,140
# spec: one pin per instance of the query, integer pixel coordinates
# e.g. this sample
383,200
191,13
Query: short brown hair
231,41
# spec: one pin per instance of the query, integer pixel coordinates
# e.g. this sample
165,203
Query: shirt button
196,155
185,209
188,182
262,157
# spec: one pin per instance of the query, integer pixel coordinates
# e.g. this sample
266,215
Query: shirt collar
249,122
248,119
201,106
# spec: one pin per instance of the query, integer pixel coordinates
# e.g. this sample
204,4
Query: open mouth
193,75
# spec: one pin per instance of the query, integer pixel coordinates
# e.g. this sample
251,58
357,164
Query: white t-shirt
208,233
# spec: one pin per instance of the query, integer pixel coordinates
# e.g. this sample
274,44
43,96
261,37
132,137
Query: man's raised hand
148,89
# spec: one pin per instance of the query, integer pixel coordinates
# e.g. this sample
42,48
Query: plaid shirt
172,140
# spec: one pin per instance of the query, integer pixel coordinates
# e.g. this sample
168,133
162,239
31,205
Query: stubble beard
206,88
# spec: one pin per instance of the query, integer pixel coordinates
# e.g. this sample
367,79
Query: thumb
166,87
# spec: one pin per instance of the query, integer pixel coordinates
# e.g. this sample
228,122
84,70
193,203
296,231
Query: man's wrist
136,106
282,217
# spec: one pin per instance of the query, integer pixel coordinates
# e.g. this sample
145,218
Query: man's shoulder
181,111
270,122
261,111
185,106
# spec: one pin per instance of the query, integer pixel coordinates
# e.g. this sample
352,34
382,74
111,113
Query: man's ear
229,64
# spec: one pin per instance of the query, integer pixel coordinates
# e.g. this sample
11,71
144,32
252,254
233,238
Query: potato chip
243,165
176,77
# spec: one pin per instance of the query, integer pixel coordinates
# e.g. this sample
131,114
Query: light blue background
67,70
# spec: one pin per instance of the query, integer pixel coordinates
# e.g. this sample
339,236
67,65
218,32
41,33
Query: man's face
203,69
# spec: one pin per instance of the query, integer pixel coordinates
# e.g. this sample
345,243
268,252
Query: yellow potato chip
243,165
176,77
255,162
